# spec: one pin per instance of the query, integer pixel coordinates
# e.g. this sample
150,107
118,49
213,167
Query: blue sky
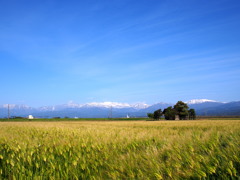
54,51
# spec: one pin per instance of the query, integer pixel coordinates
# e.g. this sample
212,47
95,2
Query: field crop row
120,150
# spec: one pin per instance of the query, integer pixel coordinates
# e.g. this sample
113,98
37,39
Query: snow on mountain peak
71,104
199,101
140,105
108,104
116,105
16,106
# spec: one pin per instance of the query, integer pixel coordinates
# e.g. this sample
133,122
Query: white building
30,117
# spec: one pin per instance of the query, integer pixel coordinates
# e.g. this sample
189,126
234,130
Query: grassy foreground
120,150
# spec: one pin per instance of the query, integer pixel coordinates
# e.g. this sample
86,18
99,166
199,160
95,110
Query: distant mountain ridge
115,109
217,109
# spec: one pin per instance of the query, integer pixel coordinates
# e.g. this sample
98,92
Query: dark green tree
181,109
150,115
157,114
192,114
169,113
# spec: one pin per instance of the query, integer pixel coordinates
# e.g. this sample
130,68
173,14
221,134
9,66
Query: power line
8,112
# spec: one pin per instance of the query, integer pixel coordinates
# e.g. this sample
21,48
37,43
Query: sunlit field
200,149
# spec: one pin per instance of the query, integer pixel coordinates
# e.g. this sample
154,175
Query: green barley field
201,149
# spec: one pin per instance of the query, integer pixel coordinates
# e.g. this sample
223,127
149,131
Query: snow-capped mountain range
102,109
15,106
115,105
71,104
199,101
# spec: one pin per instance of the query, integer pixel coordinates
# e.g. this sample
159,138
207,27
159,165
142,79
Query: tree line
179,111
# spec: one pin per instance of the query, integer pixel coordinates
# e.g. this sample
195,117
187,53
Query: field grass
120,150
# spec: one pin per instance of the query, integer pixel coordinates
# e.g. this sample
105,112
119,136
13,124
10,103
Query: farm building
30,117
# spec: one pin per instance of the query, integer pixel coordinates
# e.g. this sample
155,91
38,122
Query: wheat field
200,149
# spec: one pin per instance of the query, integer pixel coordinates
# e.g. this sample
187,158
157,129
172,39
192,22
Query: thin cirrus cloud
120,50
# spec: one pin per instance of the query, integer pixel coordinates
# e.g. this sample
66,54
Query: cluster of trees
180,110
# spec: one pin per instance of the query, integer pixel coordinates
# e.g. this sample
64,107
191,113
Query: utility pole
8,112
111,113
